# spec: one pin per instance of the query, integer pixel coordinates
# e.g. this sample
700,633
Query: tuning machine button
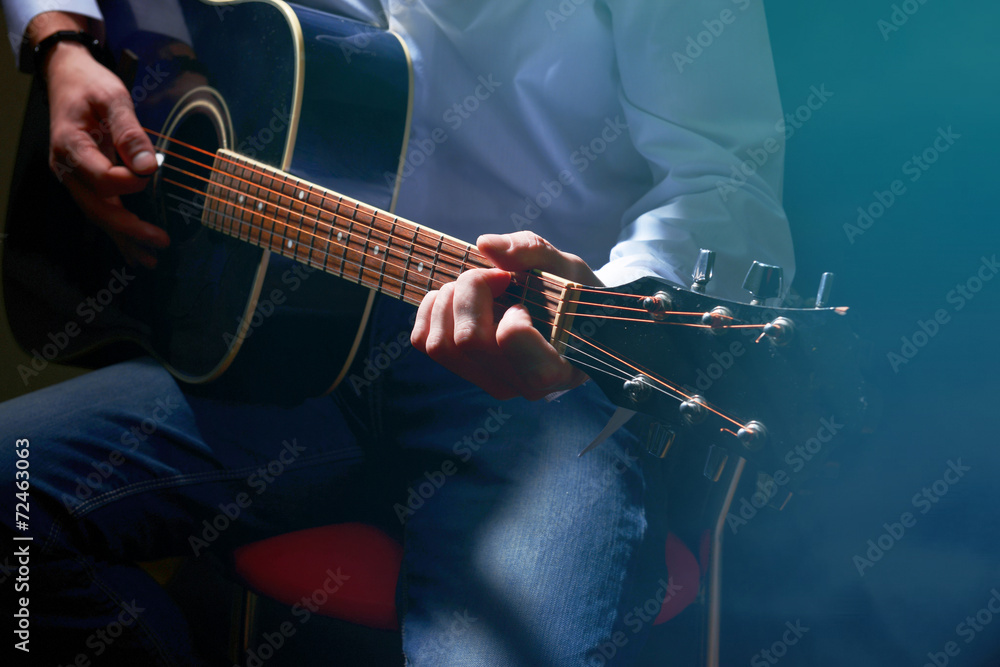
825,287
703,268
638,389
657,305
694,410
718,318
763,281
753,435
780,331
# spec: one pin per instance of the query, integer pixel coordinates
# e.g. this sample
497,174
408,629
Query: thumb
524,251
130,140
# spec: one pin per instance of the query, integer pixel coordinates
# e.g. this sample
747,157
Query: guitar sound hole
183,177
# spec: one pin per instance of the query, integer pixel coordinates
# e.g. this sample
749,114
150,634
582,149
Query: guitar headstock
771,384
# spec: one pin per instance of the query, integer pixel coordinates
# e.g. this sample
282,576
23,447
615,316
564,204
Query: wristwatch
43,47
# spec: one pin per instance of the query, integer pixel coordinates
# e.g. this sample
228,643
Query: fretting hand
456,325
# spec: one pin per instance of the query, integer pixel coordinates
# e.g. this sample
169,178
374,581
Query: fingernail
143,161
497,241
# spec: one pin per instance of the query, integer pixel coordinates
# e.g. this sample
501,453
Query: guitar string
375,213
403,283
668,388
361,272
655,377
388,241
362,266
396,221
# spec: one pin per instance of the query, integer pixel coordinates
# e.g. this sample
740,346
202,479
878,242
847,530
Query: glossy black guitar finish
763,396
300,140
289,87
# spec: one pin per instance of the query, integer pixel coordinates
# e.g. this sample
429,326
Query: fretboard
274,210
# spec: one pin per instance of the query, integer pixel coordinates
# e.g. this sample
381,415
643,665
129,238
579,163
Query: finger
80,159
131,141
422,323
540,368
439,342
522,251
491,375
473,303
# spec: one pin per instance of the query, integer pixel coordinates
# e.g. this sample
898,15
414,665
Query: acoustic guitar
281,141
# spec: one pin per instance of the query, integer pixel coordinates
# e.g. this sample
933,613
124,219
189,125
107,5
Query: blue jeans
517,552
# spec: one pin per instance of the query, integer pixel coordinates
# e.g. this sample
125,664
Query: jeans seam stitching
188,479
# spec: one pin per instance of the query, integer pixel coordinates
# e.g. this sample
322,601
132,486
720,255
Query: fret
385,226
358,218
352,240
315,200
364,245
465,258
449,262
277,237
328,219
243,206
355,261
424,259
434,260
408,257
342,239
283,208
210,216
304,236
223,193
297,207
263,218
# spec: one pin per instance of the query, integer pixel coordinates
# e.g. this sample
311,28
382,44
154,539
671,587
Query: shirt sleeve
19,13
155,16
699,92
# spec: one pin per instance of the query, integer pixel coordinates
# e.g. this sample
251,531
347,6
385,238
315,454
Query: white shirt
599,124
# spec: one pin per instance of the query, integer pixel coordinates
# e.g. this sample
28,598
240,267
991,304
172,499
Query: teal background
940,69
890,96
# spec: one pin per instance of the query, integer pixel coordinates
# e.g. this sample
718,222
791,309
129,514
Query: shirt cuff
19,15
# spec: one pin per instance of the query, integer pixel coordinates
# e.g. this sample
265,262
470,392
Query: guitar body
320,97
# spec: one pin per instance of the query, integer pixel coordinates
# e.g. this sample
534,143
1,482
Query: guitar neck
344,237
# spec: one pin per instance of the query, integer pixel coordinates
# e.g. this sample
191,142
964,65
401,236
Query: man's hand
98,150
456,325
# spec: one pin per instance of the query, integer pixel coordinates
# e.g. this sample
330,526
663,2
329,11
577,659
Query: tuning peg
693,409
763,281
825,287
752,435
638,389
780,330
715,462
769,493
659,439
703,268
657,305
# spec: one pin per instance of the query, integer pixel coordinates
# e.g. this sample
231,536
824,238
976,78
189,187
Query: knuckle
467,338
445,292
530,241
436,346
131,136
